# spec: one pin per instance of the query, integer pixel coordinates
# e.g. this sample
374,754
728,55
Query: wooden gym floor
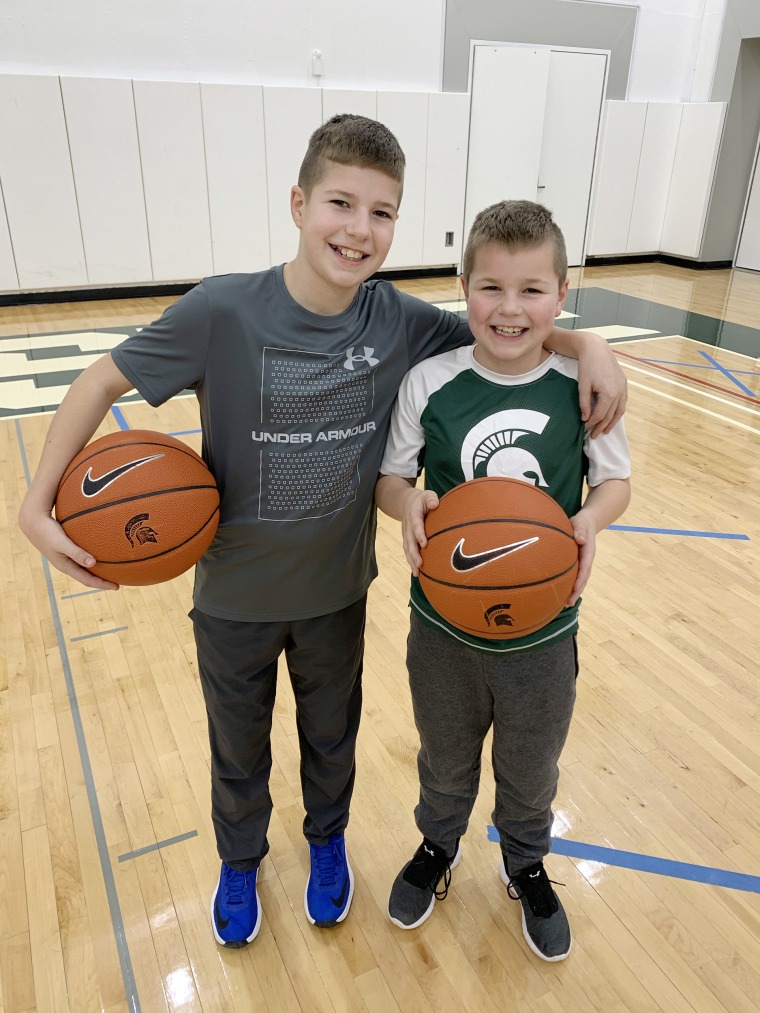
107,857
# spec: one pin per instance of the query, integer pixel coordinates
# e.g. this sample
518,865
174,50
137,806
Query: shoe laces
327,863
235,885
535,886
429,864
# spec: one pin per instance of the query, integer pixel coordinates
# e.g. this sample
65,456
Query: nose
359,224
509,304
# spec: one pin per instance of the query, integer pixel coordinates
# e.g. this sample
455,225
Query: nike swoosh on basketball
92,486
462,562
340,899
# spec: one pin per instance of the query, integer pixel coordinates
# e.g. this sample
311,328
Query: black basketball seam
500,520
497,587
182,449
157,555
130,499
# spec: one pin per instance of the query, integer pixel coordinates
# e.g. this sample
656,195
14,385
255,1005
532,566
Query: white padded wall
291,115
617,163
105,157
693,170
233,131
361,103
406,114
446,177
8,276
38,185
658,151
748,253
170,129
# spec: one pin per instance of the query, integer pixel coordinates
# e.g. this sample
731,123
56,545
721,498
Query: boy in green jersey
505,406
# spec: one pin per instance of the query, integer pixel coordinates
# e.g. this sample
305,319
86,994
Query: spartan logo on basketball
492,447
137,531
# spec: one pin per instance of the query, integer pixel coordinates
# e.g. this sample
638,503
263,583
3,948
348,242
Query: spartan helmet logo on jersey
489,447
367,357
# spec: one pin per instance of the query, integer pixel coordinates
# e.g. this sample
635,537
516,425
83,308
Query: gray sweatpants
238,669
457,694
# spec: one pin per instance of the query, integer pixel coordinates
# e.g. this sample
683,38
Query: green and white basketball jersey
459,421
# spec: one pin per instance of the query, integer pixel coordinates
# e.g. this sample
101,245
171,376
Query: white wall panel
37,184
406,114
105,157
361,103
617,164
693,170
233,130
291,115
8,276
658,151
506,122
170,129
445,178
748,253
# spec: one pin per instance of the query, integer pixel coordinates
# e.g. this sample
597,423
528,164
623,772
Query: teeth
350,254
509,331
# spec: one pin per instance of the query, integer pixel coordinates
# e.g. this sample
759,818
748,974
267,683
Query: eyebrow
347,193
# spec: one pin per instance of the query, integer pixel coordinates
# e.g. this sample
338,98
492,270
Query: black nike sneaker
330,886
235,908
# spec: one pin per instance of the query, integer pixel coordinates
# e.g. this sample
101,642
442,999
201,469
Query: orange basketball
501,559
144,504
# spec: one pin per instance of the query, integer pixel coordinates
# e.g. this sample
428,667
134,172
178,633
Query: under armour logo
367,357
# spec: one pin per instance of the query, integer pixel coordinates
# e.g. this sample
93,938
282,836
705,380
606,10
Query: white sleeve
406,438
609,456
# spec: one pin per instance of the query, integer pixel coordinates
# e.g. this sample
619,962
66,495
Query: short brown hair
352,140
516,224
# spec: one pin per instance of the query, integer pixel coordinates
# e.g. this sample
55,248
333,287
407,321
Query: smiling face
513,297
347,223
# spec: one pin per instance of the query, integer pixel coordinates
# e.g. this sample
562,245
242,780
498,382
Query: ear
297,203
561,297
465,286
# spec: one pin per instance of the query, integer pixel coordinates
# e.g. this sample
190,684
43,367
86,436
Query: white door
748,254
534,123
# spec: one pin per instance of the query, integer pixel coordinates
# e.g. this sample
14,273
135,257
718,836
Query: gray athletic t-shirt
295,410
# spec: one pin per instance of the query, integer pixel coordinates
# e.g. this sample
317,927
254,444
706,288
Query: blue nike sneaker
330,886
235,908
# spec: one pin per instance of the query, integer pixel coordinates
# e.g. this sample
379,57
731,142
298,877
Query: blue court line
118,414
117,921
159,844
693,365
185,432
728,373
678,531
648,863
102,633
80,594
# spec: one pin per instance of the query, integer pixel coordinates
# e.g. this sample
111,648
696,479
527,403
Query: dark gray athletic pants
238,670
457,694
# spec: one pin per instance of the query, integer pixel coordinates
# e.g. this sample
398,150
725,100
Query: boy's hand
602,387
47,535
584,530
416,506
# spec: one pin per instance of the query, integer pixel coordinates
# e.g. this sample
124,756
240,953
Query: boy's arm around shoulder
602,384
84,407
